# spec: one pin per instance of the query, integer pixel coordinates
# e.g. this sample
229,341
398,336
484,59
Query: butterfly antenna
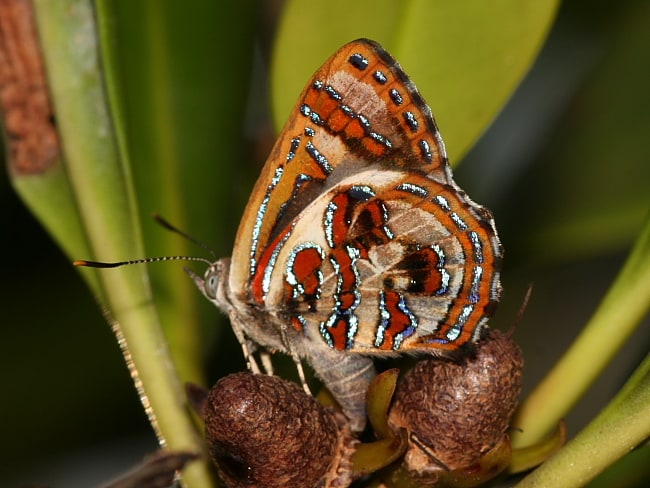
522,310
117,264
176,230
168,226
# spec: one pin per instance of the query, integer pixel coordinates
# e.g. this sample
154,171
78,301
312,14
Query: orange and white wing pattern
356,233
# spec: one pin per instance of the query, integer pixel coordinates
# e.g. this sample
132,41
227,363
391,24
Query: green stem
102,187
619,428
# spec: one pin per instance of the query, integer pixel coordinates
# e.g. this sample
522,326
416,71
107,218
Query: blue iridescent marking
380,139
385,216
478,247
460,223
380,77
442,203
444,275
266,280
319,158
354,255
325,334
411,121
328,223
362,193
364,122
457,329
358,61
453,333
413,189
338,313
353,328
384,320
425,150
347,110
259,218
295,144
308,112
399,338
303,322
395,96
477,274
334,95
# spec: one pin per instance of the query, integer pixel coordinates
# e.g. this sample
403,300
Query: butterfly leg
301,374
296,360
267,364
251,363
247,346
347,376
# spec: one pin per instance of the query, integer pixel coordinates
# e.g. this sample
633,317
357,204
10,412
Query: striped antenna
101,264
176,230
168,226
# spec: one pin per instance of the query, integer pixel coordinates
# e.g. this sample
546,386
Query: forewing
359,109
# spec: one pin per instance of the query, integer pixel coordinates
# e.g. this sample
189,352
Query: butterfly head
213,283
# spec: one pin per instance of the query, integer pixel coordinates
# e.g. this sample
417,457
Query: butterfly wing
355,232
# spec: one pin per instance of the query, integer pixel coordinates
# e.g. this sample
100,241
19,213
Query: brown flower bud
457,412
265,431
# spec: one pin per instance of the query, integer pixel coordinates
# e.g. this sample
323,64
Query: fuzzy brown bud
456,412
265,431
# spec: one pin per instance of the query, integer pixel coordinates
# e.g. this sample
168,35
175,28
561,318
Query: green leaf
465,65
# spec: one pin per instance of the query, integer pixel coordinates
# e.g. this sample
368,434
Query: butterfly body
356,241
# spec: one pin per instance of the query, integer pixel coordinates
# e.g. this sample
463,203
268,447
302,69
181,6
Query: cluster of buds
458,414
444,424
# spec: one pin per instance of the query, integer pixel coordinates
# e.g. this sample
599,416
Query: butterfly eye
211,283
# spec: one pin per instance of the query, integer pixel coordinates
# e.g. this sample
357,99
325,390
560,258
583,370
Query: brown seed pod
264,431
457,412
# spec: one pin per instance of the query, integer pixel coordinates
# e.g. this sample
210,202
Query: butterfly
356,242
